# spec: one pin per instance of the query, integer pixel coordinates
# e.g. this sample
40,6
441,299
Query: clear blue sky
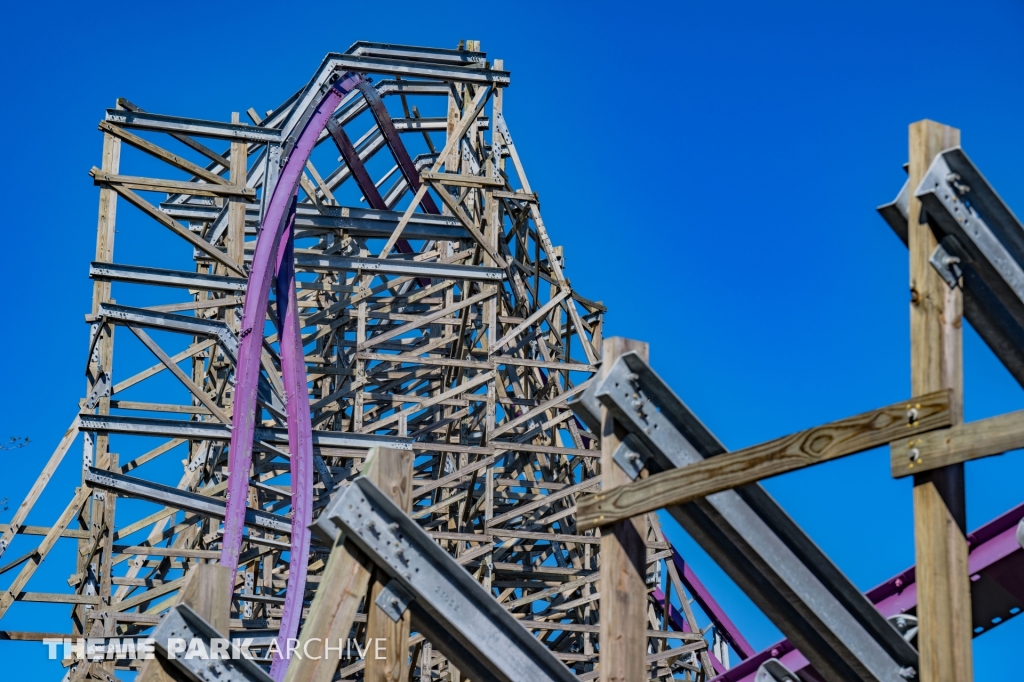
711,170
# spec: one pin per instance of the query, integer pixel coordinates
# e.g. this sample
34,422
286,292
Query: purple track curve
247,372
300,444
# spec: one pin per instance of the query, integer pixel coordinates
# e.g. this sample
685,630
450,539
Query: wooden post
623,557
936,358
206,591
101,508
391,470
343,587
234,240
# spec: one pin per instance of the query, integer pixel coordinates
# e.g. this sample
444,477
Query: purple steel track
293,366
996,562
391,136
351,157
714,611
300,443
711,607
247,372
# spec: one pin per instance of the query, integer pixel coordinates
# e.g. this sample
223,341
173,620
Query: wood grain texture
623,557
749,465
936,359
959,443
391,471
206,592
342,588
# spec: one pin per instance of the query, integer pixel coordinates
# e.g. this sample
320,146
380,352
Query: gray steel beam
194,430
455,612
182,623
185,324
977,229
406,67
398,266
395,87
358,222
430,54
138,274
753,539
163,123
129,486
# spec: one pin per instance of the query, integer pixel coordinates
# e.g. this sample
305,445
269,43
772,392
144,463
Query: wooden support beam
30,566
623,557
206,591
960,443
345,582
25,507
392,471
172,186
750,465
936,360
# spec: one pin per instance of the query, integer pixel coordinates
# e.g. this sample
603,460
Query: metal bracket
394,600
631,456
906,625
587,408
181,622
773,671
101,389
755,542
946,264
455,612
959,202
95,331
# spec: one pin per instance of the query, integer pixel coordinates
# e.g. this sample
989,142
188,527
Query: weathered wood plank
37,488
29,569
936,362
392,471
749,465
207,591
172,186
161,153
959,443
176,227
623,557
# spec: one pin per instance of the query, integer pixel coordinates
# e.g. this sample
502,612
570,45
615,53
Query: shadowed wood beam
749,465
346,581
959,443
206,592
936,362
342,588
392,471
623,622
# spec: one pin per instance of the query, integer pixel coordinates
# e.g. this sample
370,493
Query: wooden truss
966,256
435,317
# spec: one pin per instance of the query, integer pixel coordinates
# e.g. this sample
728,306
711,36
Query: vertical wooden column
206,592
98,514
391,471
623,616
936,358
234,240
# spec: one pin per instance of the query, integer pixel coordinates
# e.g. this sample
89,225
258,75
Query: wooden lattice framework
434,316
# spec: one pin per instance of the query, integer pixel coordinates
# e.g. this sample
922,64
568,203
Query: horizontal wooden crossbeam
960,443
749,465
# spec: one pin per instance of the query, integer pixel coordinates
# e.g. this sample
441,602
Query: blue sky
711,170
